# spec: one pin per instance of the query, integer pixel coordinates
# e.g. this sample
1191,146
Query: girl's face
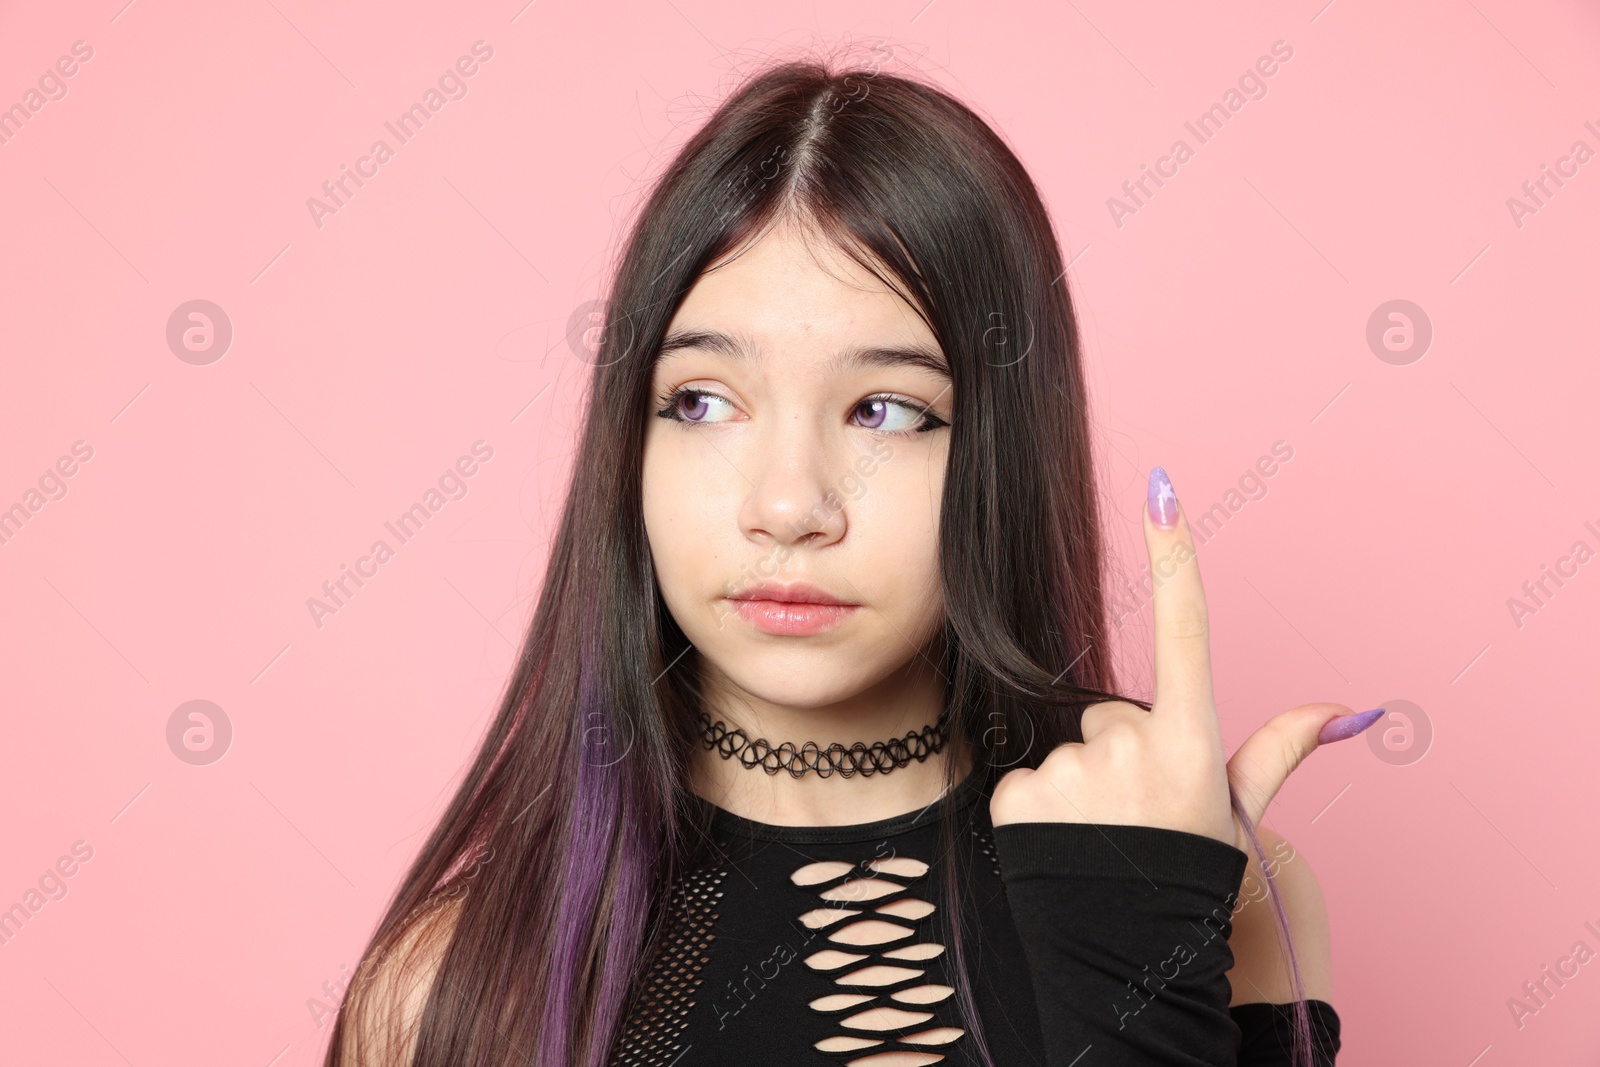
798,434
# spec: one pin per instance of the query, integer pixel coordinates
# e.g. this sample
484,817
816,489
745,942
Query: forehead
798,293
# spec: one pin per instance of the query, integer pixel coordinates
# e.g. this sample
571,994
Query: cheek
680,495
664,505
896,520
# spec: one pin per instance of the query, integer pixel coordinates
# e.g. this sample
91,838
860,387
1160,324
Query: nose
795,498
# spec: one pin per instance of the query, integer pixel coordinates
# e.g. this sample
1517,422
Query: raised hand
1165,767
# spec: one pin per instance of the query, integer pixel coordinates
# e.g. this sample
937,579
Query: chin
798,679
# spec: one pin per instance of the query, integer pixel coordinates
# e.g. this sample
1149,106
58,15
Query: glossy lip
792,593
798,609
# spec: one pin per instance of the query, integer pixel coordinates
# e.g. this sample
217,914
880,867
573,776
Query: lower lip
792,620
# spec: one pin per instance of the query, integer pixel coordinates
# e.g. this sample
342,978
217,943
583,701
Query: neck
899,705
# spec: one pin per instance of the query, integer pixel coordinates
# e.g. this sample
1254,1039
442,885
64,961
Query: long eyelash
930,421
669,405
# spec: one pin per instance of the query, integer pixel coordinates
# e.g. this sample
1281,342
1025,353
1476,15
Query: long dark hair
555,860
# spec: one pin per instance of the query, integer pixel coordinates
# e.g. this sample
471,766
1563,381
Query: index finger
1182,627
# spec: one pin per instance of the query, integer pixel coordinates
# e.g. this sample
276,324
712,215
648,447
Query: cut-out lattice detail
884,1010
655,1026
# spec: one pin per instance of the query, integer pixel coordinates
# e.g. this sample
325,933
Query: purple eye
891,415
690,406
881,411
693,412
884,413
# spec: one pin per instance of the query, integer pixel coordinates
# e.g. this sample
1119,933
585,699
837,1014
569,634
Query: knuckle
1121,738
1097,717
1175,561
1060,756
1292,743
1010,779
1001,796
1188,624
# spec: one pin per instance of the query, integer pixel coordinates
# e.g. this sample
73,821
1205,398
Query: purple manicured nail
1348,725
1161,501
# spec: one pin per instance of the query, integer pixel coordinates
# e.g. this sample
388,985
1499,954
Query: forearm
1125,929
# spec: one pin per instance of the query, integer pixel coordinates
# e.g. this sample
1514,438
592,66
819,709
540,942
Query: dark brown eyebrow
736,347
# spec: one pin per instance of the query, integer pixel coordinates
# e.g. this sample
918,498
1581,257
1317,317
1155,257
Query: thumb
1264,762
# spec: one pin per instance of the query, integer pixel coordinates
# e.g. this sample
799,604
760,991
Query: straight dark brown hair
522,932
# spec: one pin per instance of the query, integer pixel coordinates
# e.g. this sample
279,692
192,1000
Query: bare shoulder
383,1006
1260,961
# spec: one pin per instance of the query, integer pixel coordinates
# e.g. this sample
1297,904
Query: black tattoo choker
880,757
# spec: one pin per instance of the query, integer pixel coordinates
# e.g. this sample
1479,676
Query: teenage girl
812,753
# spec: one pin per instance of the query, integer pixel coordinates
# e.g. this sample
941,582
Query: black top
1095,946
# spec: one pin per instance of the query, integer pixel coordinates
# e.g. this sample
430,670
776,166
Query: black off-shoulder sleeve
1268,1033
1125,930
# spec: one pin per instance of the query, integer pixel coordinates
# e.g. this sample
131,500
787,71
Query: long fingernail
1161,500
1348,725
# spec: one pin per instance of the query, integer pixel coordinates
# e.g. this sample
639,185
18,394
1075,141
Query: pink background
368,354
